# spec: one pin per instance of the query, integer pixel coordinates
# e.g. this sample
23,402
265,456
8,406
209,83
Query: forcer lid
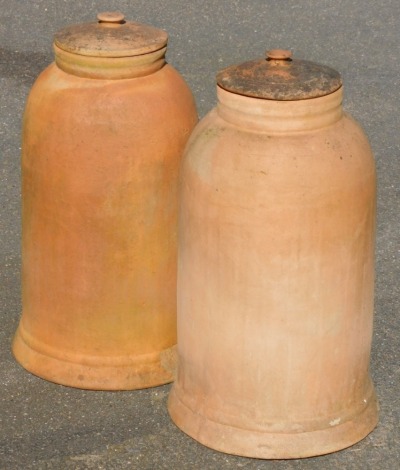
111,36
279,77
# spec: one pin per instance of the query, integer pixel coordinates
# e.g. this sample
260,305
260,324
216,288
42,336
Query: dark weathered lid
111,36
279,77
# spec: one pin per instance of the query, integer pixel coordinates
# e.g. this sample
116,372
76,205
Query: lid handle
115,17
278,54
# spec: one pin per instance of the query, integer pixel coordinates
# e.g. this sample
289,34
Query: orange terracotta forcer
276,267
104,130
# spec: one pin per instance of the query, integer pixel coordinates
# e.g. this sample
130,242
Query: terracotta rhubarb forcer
104,130
276,267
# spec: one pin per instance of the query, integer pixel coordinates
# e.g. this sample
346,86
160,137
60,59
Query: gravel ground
46,426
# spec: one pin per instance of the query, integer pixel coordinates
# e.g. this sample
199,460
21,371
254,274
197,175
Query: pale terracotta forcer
275,279
103,139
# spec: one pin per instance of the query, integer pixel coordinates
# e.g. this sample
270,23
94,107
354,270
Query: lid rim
274,99
71,51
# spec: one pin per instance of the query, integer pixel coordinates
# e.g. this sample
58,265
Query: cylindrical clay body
275,279
102,144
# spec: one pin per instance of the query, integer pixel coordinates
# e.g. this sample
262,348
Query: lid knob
111,17
278,54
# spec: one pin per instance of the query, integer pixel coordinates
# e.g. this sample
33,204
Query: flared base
269,445
94,373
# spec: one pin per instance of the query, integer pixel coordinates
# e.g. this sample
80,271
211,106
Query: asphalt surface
47,426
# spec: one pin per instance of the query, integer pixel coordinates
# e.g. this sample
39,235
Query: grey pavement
47,426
